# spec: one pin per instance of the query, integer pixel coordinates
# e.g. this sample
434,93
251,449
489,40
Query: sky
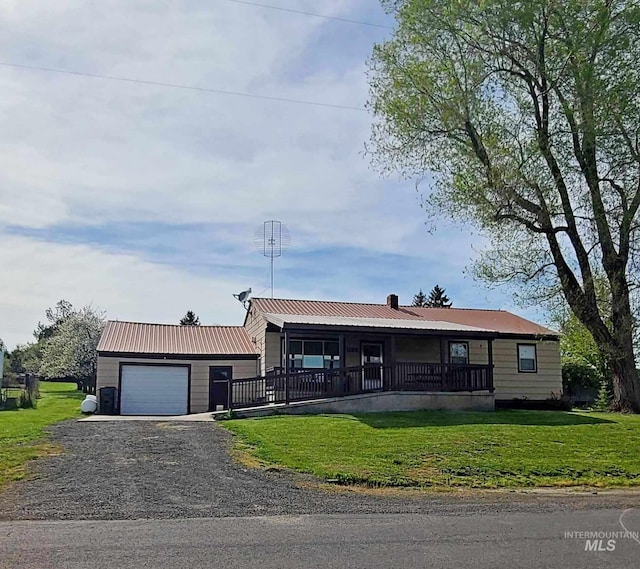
144,200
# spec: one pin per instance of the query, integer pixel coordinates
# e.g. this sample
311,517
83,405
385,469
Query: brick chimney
392,301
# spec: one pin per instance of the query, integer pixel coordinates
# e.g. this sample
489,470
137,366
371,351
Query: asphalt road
372,541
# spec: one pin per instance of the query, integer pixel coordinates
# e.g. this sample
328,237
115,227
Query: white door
372,362
154,390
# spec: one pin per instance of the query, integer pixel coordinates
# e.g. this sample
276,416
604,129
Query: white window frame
458,342
535,358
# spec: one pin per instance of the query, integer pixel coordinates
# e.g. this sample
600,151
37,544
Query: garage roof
170,339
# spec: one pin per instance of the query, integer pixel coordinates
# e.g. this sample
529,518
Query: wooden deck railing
300,385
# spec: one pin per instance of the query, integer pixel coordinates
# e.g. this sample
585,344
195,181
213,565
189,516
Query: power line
345,20
178,86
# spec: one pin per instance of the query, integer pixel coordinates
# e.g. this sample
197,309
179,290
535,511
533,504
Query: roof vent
392,301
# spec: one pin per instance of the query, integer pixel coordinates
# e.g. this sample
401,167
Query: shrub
579,376
552,403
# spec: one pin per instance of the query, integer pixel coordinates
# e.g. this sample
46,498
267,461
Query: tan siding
273,347
109,370
256,327
510,383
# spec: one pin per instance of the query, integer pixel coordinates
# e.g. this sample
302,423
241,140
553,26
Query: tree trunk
626,385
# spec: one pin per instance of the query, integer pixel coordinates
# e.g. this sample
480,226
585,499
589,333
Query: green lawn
22,435
442,449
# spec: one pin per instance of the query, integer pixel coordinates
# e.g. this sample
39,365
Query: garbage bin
108,400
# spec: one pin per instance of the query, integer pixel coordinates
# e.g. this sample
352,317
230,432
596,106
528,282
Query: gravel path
134,470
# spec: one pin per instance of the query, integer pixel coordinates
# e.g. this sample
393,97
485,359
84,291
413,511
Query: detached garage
159,369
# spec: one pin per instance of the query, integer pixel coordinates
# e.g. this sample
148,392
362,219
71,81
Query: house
290,350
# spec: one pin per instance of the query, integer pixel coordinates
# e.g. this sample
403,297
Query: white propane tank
89,405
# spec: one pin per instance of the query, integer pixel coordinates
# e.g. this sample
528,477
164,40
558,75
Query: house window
314,354
527,358
459,353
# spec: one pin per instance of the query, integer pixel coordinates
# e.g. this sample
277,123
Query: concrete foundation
379,403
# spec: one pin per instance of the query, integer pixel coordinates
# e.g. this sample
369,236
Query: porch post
341,374
490,360
286,367
388,379
443,360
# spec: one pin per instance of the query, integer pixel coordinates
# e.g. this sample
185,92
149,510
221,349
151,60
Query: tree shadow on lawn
410,419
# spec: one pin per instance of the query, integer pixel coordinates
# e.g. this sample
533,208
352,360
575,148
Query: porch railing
300,385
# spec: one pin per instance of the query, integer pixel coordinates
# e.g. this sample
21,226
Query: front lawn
22,430
451,449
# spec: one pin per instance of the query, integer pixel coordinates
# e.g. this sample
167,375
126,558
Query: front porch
312,363
280,386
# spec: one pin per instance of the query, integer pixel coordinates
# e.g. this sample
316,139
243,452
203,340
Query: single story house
291,350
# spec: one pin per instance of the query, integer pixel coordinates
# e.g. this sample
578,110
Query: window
459,353
527,358
314,354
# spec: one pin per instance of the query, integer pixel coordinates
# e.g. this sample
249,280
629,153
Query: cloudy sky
144,200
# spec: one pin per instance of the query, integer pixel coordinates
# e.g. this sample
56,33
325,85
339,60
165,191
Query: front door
219,377
372,362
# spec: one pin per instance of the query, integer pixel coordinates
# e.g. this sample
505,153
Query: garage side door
154,390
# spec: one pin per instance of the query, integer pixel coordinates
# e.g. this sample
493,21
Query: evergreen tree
419,299
603,400
190,319
438,299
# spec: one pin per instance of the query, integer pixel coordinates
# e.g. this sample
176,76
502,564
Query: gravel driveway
133,470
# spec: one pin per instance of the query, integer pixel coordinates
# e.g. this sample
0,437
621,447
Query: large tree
527,115
71,350
56,316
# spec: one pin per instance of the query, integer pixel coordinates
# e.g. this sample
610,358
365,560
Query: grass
439,449
22,432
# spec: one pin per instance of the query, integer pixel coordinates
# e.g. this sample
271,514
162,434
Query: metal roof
393,323
142,338
498,321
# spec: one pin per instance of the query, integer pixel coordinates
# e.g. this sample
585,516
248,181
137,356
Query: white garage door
154,390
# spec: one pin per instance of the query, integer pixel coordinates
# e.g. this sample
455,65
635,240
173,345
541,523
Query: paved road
522,540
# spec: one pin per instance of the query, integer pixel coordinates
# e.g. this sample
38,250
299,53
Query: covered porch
398,359
314,363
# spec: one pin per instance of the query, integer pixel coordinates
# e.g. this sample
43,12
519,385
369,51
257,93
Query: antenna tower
271,240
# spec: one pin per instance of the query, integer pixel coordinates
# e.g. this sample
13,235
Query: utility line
178,86
345,20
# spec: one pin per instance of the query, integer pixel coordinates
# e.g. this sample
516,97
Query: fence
21,392
300,385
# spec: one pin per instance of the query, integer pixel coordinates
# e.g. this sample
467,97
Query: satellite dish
243,296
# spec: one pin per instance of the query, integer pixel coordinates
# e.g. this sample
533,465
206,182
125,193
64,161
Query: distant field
22,431
442,449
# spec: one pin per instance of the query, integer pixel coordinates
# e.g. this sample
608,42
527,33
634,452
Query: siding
509,383
427,350
109,370
422,350
273,347
256,327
